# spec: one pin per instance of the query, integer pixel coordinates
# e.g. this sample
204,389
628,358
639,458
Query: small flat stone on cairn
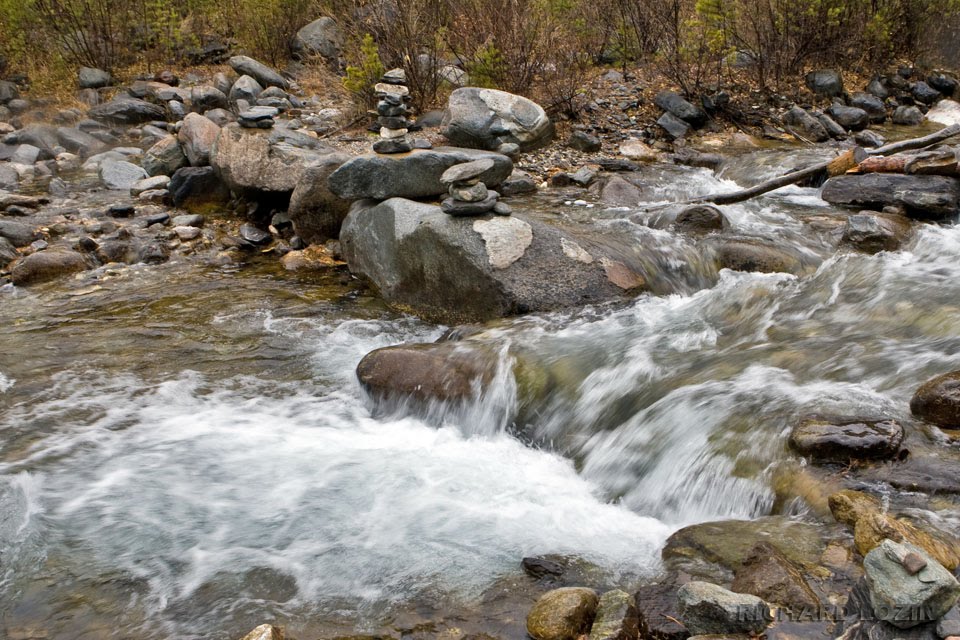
468,196
395,76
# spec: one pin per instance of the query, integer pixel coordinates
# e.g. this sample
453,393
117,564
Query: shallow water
185,451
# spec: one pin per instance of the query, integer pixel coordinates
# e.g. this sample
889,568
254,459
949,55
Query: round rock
562,614
847,439
938,401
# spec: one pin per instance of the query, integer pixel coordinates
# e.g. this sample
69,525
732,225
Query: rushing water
185,451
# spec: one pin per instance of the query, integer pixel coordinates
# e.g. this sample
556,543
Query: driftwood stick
818,169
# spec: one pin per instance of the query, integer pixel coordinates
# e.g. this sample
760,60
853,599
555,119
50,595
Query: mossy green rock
562,614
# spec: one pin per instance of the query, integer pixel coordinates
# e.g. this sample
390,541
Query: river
185,450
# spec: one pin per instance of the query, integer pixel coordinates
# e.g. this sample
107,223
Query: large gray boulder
245,66
90,78
127,111
487,118
248,163
8,92
473,269
410,175
321,37
316,212
846,439
925,197
197,136
707,608
907,586
798,118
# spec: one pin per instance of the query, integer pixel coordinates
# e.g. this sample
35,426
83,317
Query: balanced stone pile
469,196
392,111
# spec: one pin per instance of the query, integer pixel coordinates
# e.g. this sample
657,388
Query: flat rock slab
924,197
411,175
845,439
473,269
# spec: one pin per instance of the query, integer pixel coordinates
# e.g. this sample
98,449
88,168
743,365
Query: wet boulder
562,614
616,618
799,119
907,586
444,371
768,574
479,268
825,82
757,254
700,219
907,115
851,118
127,111
937,401
923,197
845,439
47,265
164,158
264,75
487,118
410,175
871,232
707,608
316,212
715,550
674,104
871,104
619,192
945,84
924,93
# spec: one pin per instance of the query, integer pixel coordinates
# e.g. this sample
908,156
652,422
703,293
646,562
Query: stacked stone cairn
392,111
468,195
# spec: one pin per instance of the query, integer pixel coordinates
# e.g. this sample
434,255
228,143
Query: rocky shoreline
222,169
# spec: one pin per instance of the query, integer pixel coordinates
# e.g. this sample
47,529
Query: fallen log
821,169
881,164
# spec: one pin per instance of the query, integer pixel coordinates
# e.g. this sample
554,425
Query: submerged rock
443,371
938,401
562,614
707,608
198,190
701,218
472,269
847,439
907,586
757,254
410,175
768,574
487,118
872,232
922,196
43,266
